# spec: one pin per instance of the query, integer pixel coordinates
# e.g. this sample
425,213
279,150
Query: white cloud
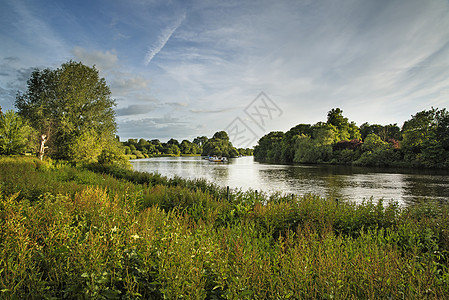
163,39
104,61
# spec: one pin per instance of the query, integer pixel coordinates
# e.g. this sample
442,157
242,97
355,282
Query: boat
217,159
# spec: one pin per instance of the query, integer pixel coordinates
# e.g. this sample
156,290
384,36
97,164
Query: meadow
104,232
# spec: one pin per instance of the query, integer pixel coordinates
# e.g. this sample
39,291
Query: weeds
69,232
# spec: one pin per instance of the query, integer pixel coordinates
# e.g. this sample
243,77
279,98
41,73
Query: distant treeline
423,141
218,145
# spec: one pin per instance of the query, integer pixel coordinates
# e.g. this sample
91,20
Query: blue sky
187,68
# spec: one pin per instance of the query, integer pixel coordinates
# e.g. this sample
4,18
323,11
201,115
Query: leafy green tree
16,136
187,147
221,135
173,149
426,138
289,141
112,154
316,148
200,141
142,144
220,145
345,130
66,104
335,117
415,131
373,142
173,142
245,151
268,147
387,132
152,150
304,149
354,132
86,147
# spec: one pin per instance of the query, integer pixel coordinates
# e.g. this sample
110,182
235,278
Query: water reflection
343,182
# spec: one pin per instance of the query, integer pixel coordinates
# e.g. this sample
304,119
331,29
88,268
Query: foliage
423,142
16,136
289,139
219,145
70,233
391,131
267,148
146,148
426,140
71,105
313,150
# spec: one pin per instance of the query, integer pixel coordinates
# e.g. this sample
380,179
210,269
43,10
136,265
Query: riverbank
107,232
132,156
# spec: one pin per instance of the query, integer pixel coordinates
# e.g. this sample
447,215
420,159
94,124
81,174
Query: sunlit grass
70,233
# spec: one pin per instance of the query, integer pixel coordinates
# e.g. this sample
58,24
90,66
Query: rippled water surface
346,183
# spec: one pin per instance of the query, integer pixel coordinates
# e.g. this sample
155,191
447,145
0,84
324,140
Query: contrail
162,40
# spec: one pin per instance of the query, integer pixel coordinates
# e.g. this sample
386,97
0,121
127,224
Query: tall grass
70,233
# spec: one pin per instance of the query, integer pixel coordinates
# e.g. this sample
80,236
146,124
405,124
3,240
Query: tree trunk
43,147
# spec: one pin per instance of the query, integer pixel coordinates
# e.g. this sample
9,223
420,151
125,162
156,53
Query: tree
220,145
289,141
345,130
268,147
221,135
173,142
200,141
335,117
373,142
316,148
387,132
66,104
15,134
86,147
187,147
142,144
173,149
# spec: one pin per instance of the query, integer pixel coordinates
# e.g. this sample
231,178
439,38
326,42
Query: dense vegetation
71,107
423,141
111,233
218,145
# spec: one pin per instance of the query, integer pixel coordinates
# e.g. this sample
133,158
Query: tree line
422,141
218,145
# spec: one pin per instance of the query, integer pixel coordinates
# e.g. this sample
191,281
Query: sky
182,69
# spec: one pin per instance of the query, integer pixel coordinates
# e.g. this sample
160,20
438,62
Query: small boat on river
218,159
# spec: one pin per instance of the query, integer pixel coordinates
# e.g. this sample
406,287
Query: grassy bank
108,233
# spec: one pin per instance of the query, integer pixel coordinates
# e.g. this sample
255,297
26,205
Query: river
406,186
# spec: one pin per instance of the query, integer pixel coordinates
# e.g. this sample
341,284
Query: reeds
70,233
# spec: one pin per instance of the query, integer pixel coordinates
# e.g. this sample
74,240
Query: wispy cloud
132,110
103,60
163,39
210,111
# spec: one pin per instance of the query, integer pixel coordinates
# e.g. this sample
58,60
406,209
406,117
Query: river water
343,182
